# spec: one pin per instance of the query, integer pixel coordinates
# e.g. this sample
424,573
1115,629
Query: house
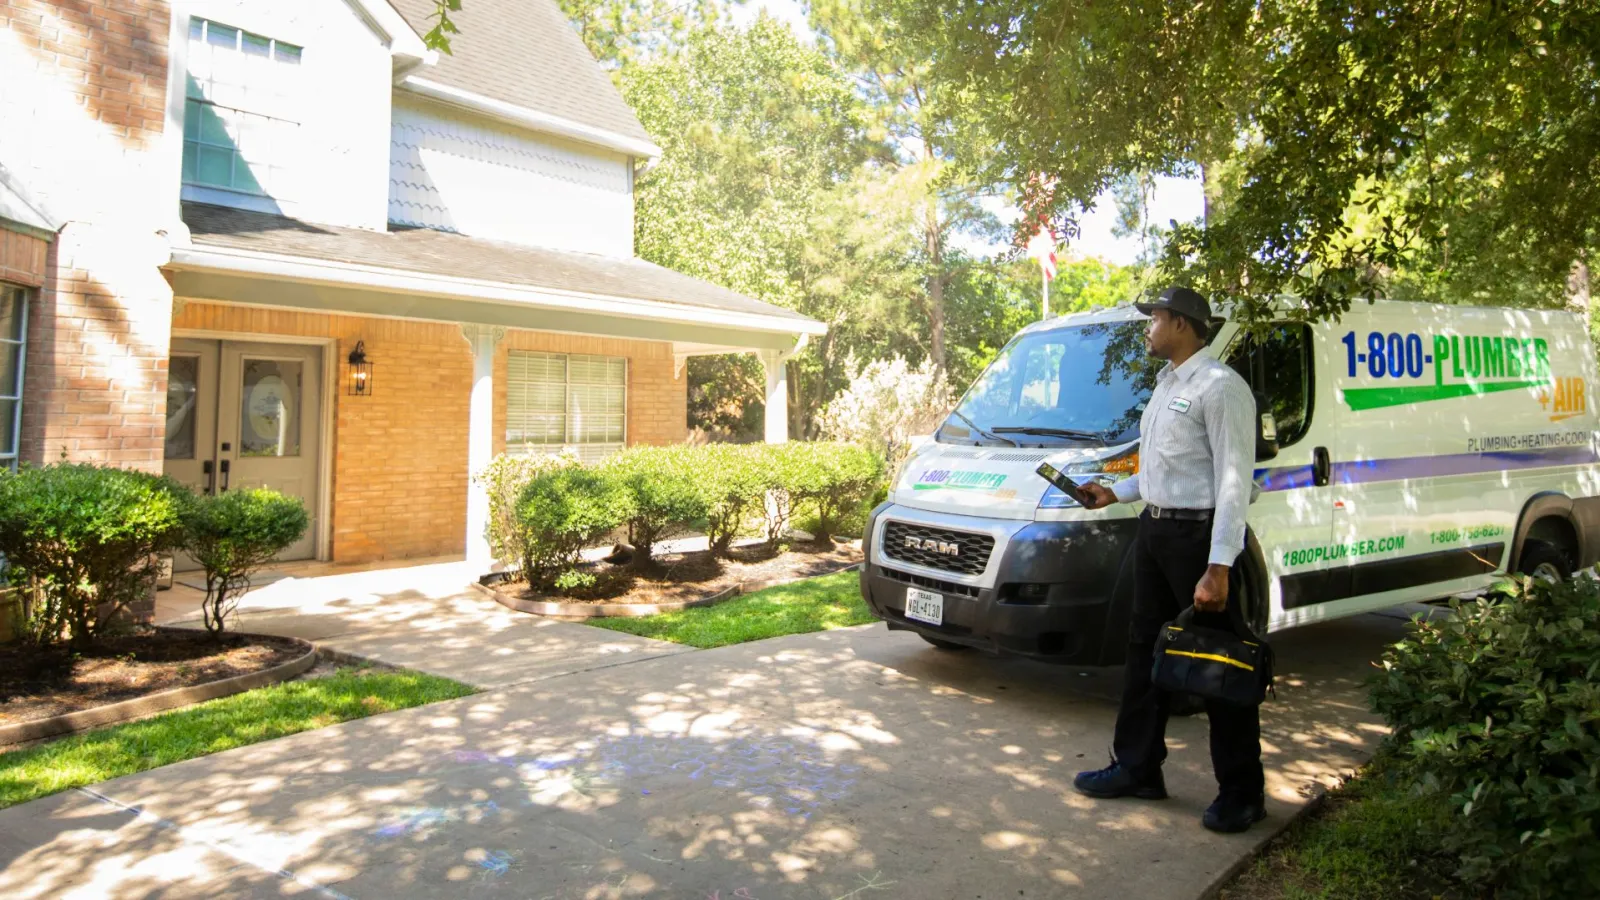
281,243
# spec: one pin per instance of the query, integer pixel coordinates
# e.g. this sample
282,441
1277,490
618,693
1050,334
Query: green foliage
246,718
727,397
831,479
504,480
562,511
1344,145
88,536
574,580
662,493
735,486
232,535
1498,706
816,604
620,32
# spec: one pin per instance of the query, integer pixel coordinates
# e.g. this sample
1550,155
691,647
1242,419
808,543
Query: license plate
924,606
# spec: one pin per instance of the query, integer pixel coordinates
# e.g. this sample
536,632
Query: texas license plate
924,606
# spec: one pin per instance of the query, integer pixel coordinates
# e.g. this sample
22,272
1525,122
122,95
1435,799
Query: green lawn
245,718
816,604
1370,841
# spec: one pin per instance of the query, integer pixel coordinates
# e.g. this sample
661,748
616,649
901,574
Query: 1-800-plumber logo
959,480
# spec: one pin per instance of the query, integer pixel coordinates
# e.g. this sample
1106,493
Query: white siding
343,111
458,172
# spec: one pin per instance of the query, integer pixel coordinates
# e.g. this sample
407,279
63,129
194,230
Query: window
239,127
13,356
556,402
1279,368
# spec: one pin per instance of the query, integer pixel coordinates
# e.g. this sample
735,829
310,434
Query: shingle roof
526,53
442,253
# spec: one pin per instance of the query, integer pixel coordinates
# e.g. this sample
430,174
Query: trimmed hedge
232,536
1497,707
88,536
723,490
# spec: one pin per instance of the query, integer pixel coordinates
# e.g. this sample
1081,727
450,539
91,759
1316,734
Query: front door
245,415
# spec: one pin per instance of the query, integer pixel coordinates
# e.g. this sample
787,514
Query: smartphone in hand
1063,482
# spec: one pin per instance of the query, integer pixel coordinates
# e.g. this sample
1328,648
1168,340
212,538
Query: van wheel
1542,559
944,645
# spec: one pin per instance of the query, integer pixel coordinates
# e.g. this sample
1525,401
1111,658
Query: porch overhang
253,278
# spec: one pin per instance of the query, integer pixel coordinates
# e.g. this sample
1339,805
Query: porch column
483,339
774,361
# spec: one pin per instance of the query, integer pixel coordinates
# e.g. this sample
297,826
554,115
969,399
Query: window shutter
577,403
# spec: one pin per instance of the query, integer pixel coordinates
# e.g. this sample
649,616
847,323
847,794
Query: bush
561,511
833,480
735,489
89,537
504,480
886,404
663,493
1498,707
232,536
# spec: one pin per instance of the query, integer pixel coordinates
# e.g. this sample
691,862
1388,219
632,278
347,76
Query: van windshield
1089,382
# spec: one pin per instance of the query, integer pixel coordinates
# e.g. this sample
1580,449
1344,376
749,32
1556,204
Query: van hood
992,482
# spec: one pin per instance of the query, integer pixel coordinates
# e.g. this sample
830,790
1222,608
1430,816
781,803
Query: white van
1421,451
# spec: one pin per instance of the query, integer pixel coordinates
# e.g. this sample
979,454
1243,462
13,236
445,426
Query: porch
521,357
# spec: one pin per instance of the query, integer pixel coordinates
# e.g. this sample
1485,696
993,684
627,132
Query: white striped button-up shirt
1197,449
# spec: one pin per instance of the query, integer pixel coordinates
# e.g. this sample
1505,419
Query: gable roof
440,253
525,53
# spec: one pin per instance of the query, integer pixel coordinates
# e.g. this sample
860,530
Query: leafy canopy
1456,141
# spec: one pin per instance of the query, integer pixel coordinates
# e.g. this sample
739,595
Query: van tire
1544,559
943,645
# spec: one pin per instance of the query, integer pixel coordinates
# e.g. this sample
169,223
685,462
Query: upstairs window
558,403
240,129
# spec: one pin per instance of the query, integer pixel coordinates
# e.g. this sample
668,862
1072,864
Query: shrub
232,536
832,479
886,404
504,480
663,493
88,536
735,488
561,511
1498,707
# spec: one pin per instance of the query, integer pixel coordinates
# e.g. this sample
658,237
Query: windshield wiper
975,427
1078,433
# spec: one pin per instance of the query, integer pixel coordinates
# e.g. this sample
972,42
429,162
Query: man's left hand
1211,594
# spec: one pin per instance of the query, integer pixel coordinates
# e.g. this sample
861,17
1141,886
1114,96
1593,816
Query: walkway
850,764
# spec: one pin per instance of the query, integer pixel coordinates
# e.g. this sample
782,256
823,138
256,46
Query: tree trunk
936,278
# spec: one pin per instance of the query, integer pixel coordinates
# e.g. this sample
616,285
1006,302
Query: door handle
1321,467
207,470
224,476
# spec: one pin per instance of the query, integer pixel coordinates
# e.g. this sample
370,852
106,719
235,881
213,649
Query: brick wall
83,94
400,455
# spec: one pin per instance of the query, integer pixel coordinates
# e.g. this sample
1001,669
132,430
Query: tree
1466,132
232,536
617,32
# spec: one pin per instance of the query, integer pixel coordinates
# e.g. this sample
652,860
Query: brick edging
638,610
161,701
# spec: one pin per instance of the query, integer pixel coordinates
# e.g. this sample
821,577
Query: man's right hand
1096,495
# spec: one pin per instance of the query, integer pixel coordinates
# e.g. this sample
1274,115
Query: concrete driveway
852,764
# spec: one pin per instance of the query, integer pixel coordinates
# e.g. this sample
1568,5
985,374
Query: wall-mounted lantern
360,371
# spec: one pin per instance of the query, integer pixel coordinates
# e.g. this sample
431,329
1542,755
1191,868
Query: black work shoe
1115,781
1230,815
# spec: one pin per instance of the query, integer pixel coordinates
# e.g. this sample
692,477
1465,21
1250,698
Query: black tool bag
1214,664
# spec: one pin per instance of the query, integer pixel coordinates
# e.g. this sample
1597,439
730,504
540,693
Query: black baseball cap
1181,300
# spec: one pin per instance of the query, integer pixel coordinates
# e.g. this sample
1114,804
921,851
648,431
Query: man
1196,455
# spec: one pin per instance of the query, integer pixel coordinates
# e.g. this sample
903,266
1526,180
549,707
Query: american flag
1042,247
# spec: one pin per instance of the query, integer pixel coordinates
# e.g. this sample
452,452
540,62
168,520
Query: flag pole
1045,279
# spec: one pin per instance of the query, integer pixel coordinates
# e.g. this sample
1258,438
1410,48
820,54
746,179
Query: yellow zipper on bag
1215,658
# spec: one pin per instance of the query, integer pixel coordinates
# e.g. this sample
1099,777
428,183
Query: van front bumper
1051,599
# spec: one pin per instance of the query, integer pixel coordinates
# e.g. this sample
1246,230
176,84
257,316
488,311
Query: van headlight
1107,471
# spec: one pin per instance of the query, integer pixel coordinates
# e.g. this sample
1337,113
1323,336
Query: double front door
246,415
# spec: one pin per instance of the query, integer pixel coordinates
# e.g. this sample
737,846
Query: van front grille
932,584
937,548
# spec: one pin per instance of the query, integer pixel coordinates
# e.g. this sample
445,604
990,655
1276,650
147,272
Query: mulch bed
681,577
39,683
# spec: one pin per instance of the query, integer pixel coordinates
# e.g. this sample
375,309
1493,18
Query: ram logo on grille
948,548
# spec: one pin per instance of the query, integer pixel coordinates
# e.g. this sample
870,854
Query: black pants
1169,556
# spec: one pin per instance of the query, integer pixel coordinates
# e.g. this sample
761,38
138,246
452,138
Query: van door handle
1321,467
207,470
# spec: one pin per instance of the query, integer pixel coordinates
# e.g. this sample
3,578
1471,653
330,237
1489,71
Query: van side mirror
1266,432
